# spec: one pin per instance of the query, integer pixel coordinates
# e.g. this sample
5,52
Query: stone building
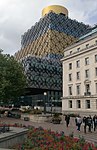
80,75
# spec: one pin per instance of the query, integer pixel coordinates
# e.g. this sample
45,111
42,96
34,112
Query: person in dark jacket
90,123
67,119
85,121
95,122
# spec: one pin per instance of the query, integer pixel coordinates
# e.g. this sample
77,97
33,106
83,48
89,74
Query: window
70,52
87,104
70,90
95,58
78,64
78,75
78,102
96,42
96,72
70,66
87,73
78,49
70,77
87,61
78,89
87,45
70,104
87,86
96,87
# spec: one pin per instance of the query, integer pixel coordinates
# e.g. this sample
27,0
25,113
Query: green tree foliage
12,78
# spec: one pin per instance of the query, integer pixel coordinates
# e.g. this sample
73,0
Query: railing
87,93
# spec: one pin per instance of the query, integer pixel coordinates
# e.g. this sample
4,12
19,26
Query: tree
12,78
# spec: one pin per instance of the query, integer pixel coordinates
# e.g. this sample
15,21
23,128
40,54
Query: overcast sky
16,16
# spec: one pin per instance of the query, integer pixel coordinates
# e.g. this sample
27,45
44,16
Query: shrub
81,140
56,118
40,139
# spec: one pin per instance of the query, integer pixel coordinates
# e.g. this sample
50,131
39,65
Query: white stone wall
81,55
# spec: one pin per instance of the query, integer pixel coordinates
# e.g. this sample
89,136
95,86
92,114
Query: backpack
89,120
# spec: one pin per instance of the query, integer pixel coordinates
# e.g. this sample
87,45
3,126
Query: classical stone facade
80,75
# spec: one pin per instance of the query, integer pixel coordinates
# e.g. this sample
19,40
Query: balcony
87,93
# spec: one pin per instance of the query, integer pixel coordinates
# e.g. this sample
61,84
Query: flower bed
40,139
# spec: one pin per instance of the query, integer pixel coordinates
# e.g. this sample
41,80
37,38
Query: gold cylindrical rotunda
56,9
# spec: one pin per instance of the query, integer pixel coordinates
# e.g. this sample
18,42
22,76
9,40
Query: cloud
83,10
17,16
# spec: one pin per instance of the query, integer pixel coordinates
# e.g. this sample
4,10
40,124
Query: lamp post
51,105
45,102
22,100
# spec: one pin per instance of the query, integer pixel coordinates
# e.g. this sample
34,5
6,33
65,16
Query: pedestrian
67,119
78,122
90,123
85,123
95,122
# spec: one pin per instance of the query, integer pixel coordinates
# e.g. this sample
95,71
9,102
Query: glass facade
42,47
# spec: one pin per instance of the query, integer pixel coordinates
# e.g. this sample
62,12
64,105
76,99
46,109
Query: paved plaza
92,137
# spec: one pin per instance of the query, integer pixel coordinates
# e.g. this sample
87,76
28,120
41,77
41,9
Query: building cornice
79,97
81,42
84,50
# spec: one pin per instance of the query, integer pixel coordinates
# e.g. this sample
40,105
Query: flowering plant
40,139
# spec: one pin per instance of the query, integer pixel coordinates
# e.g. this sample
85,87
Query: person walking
67,119
90,123
78,122
85,123
95,122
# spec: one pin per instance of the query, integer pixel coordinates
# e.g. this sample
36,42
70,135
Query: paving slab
91,137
